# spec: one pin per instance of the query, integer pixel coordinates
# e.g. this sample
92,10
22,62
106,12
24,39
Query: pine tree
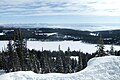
68,68
100,48
46,66
50,61
74,65
52,64
13,59
20,48
26,60
80,62
1,62
112,52
4,61
11,56
42,61
36,64
16,62
59,62
33,62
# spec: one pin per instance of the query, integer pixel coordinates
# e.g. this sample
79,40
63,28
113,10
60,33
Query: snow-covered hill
101,68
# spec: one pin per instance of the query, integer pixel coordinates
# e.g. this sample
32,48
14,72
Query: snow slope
101,68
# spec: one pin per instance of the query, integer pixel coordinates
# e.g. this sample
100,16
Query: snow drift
99,68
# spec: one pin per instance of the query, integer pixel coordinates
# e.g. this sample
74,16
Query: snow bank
3,45
2,72
1,34
102,68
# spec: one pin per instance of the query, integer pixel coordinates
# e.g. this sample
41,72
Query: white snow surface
53,46
99,68
1,33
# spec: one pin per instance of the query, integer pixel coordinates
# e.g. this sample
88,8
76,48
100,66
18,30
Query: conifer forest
17,57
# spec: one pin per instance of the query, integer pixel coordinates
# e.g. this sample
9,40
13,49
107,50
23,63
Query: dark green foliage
112,52
100,47
1,61
68,68
109,36
59,62
14,64
80,62
18,58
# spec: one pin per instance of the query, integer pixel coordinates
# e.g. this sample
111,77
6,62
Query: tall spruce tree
20,48
59,62
80,61
45,66
112,52
1,62
14,63
100,47
11,56
68,68
34,62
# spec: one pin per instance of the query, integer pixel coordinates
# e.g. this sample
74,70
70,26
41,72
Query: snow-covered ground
2,33
2,72
74,45
100,68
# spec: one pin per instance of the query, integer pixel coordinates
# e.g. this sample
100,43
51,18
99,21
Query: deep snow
53,45
99,68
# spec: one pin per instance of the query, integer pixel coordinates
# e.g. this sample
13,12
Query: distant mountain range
82,26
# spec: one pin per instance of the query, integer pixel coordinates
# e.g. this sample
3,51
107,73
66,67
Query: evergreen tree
20,49
1,62
74,65
100,48
68,68
112,52
34,62
11,56
52,64
13,59
59,62
46,66
16,62
26,60
50,61
80,61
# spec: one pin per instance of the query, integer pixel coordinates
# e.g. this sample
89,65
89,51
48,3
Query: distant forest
57,34
17,57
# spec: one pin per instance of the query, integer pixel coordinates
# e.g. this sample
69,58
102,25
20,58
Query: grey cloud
110,10
84,6
92,2
31,8
54,5
41,7
64,11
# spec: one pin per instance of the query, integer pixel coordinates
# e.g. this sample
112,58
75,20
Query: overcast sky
59,11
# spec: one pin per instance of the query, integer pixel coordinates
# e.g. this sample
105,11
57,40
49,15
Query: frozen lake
74,45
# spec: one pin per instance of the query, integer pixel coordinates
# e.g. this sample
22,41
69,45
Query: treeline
16,57
109,36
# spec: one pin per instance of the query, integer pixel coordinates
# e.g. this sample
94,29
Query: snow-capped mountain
99,68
